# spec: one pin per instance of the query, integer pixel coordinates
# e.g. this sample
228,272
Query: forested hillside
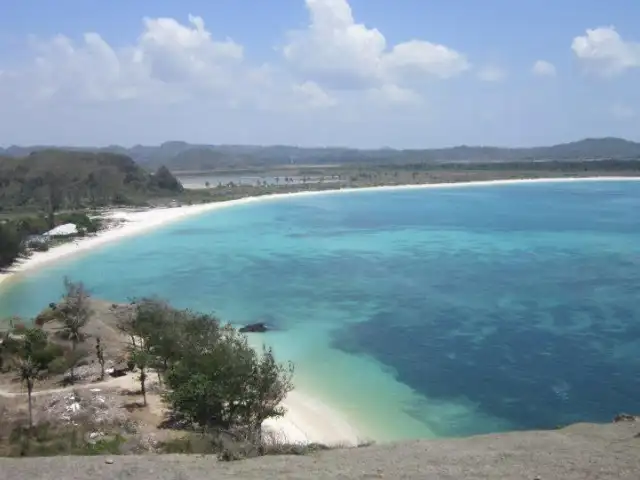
56,180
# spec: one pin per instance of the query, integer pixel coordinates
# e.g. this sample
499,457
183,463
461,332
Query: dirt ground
108,402
102,323
579,452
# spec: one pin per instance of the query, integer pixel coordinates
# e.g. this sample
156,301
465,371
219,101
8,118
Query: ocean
417,313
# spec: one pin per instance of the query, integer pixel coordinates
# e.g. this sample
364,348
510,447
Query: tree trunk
29,391
51,218
74,344
143,379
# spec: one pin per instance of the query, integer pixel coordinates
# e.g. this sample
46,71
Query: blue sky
364,73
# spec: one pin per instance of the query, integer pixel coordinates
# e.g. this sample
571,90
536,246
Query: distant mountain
182,156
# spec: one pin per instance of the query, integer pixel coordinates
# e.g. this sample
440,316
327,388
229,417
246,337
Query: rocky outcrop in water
259,327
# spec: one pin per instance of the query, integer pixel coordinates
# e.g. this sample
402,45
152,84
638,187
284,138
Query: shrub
39,245
45,356
58,366
32,225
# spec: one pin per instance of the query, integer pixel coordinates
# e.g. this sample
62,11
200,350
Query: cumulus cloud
605,52
170,61
312,95
338,52
542,68
173,61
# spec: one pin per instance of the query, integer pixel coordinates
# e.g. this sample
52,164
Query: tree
149,325
125,320
55,191
7,343
27,372
11,245
227,386
216,380
100,356
142,359
165,180
28,369
74,312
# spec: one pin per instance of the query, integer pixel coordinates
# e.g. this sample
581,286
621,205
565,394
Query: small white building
62,230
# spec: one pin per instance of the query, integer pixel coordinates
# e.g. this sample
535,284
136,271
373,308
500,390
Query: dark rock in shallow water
254,328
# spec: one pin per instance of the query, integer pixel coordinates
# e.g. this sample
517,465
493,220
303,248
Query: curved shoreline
308,419
139,222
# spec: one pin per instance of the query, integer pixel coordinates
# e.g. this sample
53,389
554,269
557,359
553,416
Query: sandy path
126,381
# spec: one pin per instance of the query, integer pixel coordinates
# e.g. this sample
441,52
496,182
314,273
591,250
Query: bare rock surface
579,452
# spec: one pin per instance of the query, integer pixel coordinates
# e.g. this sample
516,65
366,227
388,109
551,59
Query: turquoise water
419,313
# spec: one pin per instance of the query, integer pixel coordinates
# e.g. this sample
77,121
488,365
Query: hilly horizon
180,155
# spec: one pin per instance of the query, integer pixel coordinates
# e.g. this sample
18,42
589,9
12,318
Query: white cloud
169,62
622,112
492,73
542,68
605,52
336,51
312,95
173,62
174,52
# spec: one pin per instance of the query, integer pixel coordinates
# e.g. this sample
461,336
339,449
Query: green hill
58,180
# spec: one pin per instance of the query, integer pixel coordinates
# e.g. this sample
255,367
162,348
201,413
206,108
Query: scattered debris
72,407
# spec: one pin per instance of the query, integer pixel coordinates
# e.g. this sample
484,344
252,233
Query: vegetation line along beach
130,222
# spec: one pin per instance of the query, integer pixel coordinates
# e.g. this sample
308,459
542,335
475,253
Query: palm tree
28,372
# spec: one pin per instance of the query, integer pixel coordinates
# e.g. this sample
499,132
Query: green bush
32,225
45,356
58,366
39,246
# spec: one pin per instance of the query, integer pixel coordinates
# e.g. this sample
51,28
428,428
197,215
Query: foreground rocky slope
579,452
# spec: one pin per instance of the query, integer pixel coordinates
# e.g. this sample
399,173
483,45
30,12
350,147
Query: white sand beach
135,222
307,420
310,421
